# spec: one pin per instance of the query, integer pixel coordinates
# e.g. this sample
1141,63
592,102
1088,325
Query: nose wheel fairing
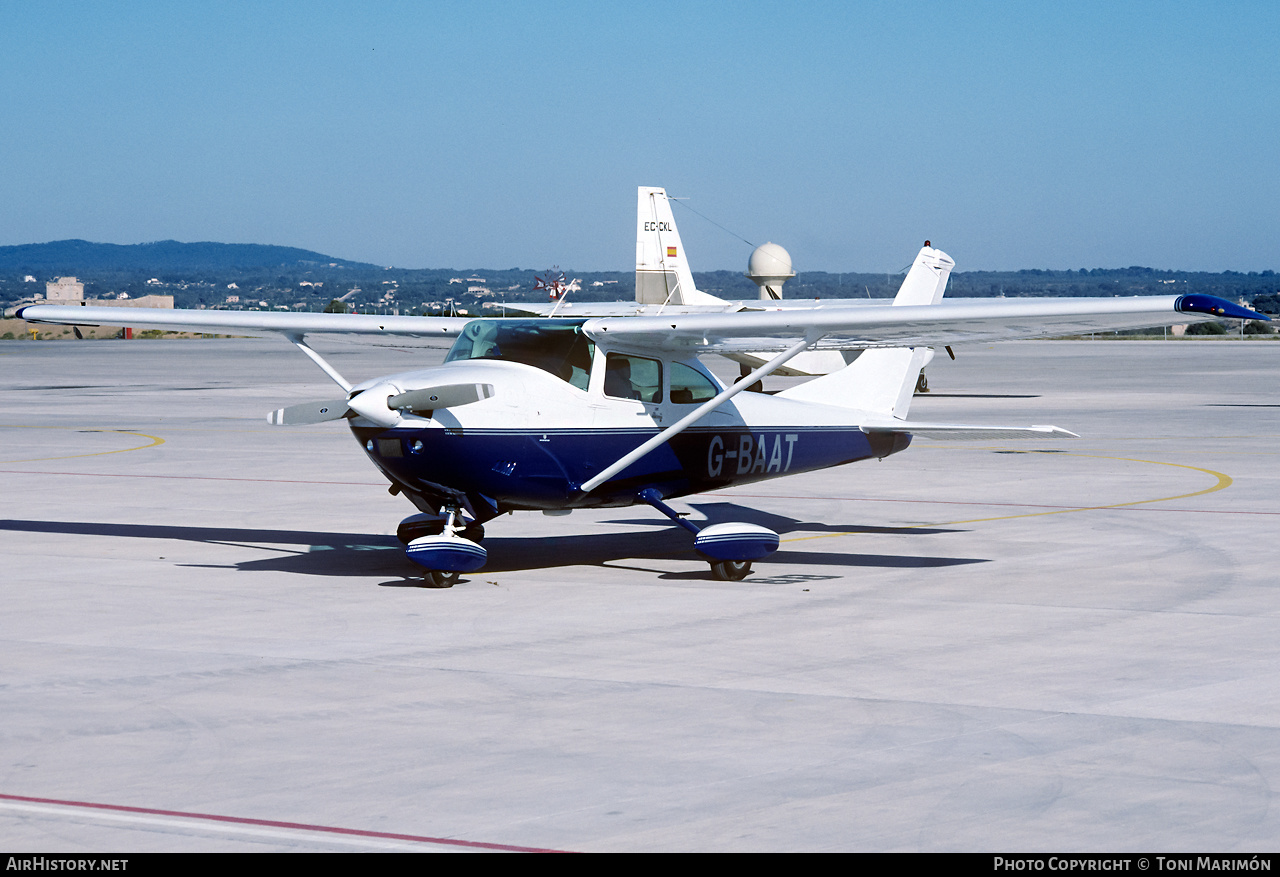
445,555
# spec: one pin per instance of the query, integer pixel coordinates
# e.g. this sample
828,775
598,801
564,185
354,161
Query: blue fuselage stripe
542,469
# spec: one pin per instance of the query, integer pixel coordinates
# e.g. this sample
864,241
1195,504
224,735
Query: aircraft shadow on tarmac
978,395
718,512
358,554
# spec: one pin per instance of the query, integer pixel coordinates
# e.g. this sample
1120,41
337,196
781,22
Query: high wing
928,325
245,322
295,327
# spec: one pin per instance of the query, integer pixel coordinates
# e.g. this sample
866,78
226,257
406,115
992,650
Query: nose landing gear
439,578
448,552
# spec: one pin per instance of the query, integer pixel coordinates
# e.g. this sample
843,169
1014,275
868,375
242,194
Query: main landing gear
730,570
447,548
729,548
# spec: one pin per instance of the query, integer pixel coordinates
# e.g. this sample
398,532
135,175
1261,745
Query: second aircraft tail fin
882,380
662,270
926,281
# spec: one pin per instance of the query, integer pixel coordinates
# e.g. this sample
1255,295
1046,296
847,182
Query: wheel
730,570
439,578
922,384
474,532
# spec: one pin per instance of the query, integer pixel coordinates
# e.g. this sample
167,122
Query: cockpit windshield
556,346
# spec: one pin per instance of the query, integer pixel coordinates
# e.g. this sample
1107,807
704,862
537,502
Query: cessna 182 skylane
562,414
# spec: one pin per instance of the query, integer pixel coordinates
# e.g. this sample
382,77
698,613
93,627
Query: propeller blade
309,412
447,396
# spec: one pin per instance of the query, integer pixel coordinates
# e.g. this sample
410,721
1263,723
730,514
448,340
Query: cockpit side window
632,377
556,346
689,385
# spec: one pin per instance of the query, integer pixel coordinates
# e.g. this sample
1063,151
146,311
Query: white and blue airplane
559,414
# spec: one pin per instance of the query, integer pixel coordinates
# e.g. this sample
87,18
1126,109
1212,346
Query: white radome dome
769,261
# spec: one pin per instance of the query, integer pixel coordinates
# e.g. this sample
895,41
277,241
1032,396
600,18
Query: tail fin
926,282
882,380
662,271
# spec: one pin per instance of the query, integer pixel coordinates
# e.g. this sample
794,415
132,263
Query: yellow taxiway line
1223,481
153,441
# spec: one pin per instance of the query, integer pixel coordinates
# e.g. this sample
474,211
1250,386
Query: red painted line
186,477
271,823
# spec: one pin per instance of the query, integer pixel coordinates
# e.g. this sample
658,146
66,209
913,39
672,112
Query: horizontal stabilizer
962,432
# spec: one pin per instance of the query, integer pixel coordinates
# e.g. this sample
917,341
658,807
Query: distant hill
83,256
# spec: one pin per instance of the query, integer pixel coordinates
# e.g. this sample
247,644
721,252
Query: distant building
142,301
29,279
64,289
233,299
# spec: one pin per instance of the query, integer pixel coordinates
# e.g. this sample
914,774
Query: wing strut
319,360
689,419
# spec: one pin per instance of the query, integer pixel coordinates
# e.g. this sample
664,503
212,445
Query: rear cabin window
556,346
690,385
632,377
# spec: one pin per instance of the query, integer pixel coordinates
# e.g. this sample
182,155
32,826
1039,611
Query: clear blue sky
1014,135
